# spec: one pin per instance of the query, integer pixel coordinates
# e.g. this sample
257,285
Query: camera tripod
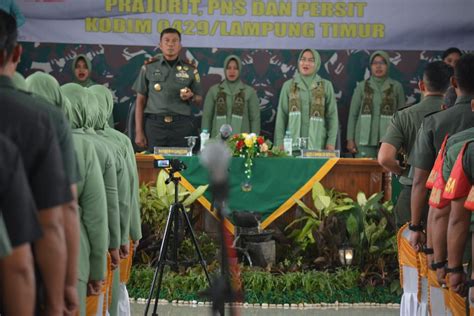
172,225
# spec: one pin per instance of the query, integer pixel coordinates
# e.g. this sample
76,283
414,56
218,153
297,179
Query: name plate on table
172,151
314,153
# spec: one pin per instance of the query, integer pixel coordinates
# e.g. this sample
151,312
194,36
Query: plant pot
262,236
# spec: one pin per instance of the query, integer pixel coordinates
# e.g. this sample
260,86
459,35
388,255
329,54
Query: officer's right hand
114,258
417,240
456,283
140,140
124,251
71,304
351,146
94,287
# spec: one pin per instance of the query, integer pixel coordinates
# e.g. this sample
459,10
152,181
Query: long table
277,182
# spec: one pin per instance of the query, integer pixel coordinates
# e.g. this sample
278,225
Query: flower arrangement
248,146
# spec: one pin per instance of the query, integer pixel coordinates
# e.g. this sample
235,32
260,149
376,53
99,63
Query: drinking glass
302,144
191,143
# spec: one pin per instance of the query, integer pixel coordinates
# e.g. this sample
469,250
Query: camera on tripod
174,164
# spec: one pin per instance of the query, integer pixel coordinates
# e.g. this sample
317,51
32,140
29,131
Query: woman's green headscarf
88,81
47,86
232,84
316,56
105,104
92,110
78,99
317,65
384,55
19,81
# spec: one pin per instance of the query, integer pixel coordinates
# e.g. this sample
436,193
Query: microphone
225,131
215,157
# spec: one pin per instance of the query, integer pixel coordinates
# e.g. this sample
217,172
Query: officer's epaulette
434,112
190,62
404,107
152,59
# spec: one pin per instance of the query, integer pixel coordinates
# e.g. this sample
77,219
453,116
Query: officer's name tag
171,151
182,75
313,153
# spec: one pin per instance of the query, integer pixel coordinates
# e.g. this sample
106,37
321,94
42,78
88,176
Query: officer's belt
166,118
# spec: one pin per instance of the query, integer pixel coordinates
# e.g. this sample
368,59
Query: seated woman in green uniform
307,106
373,103
231,102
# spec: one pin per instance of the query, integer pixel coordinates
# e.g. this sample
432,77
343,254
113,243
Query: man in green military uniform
459,166
453,146
428,142
56,253
165,87
402,130
19,227
441,210
373,103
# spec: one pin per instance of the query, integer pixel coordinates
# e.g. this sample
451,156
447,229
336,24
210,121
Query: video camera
175,165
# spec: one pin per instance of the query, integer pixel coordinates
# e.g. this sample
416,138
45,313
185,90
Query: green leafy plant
321,225
261,286
371,231
155,202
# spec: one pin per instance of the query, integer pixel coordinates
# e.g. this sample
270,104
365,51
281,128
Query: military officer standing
165,88
428,142
402,130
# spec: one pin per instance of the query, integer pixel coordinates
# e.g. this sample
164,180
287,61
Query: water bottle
288,143
204,137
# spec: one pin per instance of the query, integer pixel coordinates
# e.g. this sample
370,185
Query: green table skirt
275,182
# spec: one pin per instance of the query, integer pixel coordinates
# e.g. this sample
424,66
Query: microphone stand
221,290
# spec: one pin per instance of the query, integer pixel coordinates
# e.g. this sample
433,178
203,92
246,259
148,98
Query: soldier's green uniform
401,134
307,108
453,147
167,117
435,127
373,103
62,128
106,104
233,103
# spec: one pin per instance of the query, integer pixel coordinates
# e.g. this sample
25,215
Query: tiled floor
172,310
